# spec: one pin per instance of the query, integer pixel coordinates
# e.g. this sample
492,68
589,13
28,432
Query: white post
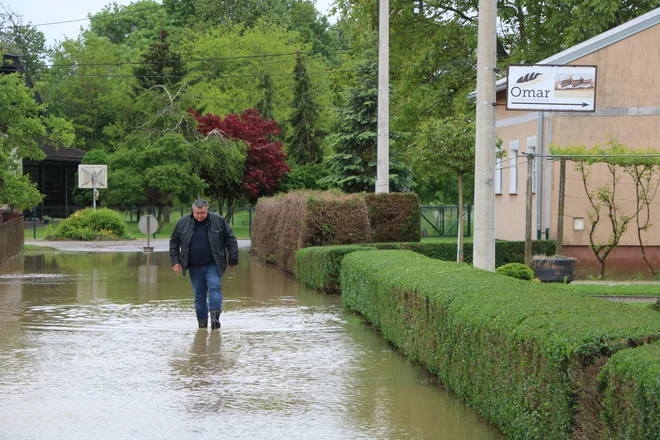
94,189
383,160
484,173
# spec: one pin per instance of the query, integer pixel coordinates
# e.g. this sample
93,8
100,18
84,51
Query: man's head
200,208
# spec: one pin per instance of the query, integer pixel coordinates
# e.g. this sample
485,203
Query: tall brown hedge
393,217
287,223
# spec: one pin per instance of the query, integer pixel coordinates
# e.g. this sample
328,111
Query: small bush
516,270
87,225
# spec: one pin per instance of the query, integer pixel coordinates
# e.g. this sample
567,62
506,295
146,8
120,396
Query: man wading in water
202,242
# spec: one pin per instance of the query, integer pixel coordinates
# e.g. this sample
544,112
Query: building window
498,175
513,173
531,149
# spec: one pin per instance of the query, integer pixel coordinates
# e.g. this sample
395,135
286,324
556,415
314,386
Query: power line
205,76
120,63
94,18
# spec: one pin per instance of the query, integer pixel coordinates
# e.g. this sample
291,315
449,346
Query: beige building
627,109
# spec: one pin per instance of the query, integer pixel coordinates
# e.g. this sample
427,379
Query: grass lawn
241,232
604,288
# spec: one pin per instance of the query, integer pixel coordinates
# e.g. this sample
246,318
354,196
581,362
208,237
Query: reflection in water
105,345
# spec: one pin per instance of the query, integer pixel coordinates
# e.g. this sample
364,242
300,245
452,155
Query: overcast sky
40,12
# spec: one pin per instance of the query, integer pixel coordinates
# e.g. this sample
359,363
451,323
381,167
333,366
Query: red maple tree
264,166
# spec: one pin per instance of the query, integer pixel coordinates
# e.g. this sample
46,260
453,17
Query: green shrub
87,224
519,353
630,382
516,270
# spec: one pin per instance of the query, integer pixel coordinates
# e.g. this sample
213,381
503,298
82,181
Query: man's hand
231,266
176,268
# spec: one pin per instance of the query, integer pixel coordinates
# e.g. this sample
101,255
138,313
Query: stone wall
11,236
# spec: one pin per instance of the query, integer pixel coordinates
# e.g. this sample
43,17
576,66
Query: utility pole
484,170
560,210
383,164
528,211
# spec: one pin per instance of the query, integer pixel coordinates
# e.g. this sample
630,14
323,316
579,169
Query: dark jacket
222,240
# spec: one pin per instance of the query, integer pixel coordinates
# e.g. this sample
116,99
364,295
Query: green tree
354,163
23,123
87,84
16,37
160,66
446,144
158,162
307,176
222,169
265,104
241,57
126,24
304,144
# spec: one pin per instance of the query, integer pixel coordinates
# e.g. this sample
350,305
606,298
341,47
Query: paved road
159,245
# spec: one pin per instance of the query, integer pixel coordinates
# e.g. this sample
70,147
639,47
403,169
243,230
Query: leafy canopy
22,126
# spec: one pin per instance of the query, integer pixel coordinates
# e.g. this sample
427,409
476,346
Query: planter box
554,269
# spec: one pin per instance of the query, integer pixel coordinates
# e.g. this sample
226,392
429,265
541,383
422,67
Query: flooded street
105,346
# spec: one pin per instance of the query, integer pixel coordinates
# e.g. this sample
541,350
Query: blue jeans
206,279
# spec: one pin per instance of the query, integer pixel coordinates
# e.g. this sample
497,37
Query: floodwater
105,346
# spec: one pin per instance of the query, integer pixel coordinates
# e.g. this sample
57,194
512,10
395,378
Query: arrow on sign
583,104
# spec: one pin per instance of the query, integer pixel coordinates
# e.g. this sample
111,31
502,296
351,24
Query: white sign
543,87
93,176
148,225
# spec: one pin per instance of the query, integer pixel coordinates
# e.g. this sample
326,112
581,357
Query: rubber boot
203,323
215,319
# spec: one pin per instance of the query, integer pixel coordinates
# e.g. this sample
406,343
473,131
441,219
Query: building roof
594,44
70,154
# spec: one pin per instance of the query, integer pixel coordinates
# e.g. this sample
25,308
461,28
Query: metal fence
442,221
129,213
436,221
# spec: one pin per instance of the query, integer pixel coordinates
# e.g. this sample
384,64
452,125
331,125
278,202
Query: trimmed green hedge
310,272
524,355
505,251
319,267
393,216
631,384
289,222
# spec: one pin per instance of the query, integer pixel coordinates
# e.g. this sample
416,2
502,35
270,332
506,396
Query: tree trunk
459,251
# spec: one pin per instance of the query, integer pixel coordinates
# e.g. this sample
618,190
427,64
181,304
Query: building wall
514,126
627,110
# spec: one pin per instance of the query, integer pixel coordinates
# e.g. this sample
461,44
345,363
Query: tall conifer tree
304,144
265,105
353,165
162,66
